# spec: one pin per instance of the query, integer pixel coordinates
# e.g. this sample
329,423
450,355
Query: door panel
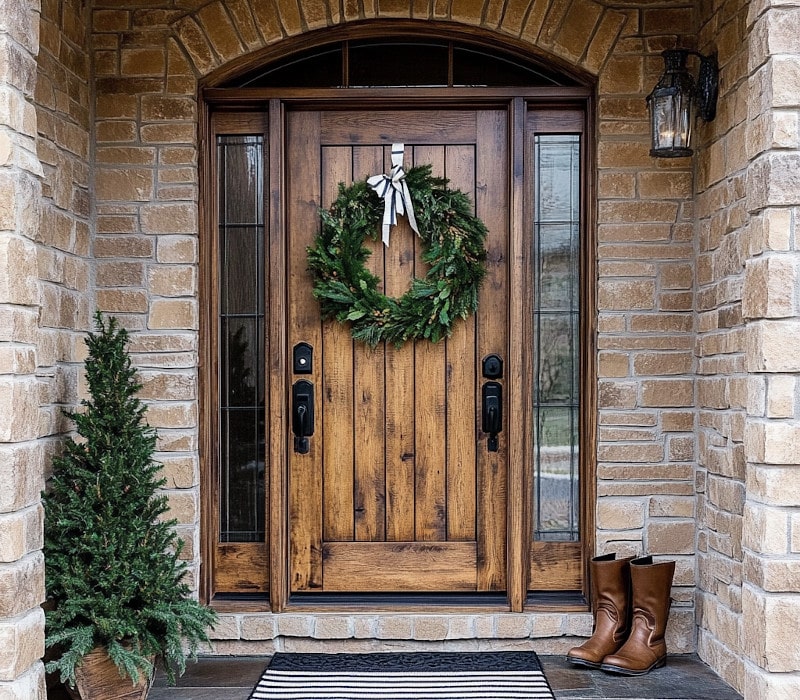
397,491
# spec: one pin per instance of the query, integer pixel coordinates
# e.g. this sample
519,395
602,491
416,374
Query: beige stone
21,585
620,513
21,643
172,280
173,315
670,536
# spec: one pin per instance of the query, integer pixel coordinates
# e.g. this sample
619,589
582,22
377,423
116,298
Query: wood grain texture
400,566
241,567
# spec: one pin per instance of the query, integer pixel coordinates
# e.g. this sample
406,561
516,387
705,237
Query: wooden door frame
517,102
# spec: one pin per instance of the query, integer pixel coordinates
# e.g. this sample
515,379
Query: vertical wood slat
336,396
519,368
305,482
275,358
492,206
370,388
400,389
461,387
430,408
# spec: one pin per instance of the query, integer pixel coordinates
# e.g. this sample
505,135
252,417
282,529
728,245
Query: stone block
770,287
333,627
624,295
226,627
29,686
172,280
781,396
183,506
765,529
173,414
120,301
21,533
631,452
620,513
290,625
668,393
395,627
119,274
257,626
772,442
18,260
21,585
430,627
670,537
173,314
126,246
662,363
508,626
21,643
19,408
168,386
180,471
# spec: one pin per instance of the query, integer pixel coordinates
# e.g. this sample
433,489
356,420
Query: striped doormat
512,675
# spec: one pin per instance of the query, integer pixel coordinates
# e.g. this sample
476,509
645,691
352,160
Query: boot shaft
651,584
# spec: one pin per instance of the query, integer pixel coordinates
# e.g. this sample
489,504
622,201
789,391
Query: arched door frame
277,101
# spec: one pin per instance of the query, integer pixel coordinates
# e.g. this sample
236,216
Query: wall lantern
674,99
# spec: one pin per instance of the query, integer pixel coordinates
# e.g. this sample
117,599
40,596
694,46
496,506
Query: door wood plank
387,127
370,389
556,566
305,476
400,388
491,199
461,387
241,567
430,407
400,566
336,397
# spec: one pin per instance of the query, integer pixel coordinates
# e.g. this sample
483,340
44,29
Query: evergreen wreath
453,246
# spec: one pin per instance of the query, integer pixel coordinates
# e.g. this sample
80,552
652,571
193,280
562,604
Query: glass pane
320,67
387,64
473,66
240,255
242,486
556,311
241,338
556,280
240,191
556,484
557,176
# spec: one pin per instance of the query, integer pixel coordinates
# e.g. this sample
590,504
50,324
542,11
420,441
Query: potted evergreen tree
117,598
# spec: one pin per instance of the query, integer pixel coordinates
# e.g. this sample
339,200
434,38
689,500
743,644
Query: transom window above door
401,62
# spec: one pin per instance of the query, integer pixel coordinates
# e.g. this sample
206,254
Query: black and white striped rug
513,675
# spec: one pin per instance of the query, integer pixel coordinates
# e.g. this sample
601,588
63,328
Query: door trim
517,102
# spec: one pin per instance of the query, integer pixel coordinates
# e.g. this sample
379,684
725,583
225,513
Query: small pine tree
114,577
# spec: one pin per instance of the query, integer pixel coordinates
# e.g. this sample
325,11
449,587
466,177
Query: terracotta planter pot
97,678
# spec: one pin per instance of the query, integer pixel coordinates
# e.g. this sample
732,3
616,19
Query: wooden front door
398,491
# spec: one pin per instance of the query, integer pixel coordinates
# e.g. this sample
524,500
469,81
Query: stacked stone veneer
667,247
44,296
748,303
148,63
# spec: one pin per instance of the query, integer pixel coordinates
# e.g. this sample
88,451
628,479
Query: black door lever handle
302,414
492,405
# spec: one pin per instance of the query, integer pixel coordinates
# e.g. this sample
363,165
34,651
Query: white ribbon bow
393,190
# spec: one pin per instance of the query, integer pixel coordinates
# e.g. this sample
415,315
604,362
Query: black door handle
492,403
302,414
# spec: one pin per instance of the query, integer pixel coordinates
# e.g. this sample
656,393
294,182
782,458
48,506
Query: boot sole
583,662
610,668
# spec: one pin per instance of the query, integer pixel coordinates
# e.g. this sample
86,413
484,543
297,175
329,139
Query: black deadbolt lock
492,367
302,358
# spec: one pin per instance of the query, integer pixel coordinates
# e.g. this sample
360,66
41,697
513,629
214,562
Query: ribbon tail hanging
395,194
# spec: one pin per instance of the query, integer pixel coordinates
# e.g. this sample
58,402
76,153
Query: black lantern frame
674,99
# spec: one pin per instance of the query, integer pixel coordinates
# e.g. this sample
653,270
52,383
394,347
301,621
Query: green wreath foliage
453,247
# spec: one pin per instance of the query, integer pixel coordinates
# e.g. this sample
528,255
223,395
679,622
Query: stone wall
148,61
748,484
722,248
748,304
21,455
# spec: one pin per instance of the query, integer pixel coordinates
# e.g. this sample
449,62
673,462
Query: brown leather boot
645,648
611,586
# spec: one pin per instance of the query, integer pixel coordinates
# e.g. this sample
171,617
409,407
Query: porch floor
685,677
